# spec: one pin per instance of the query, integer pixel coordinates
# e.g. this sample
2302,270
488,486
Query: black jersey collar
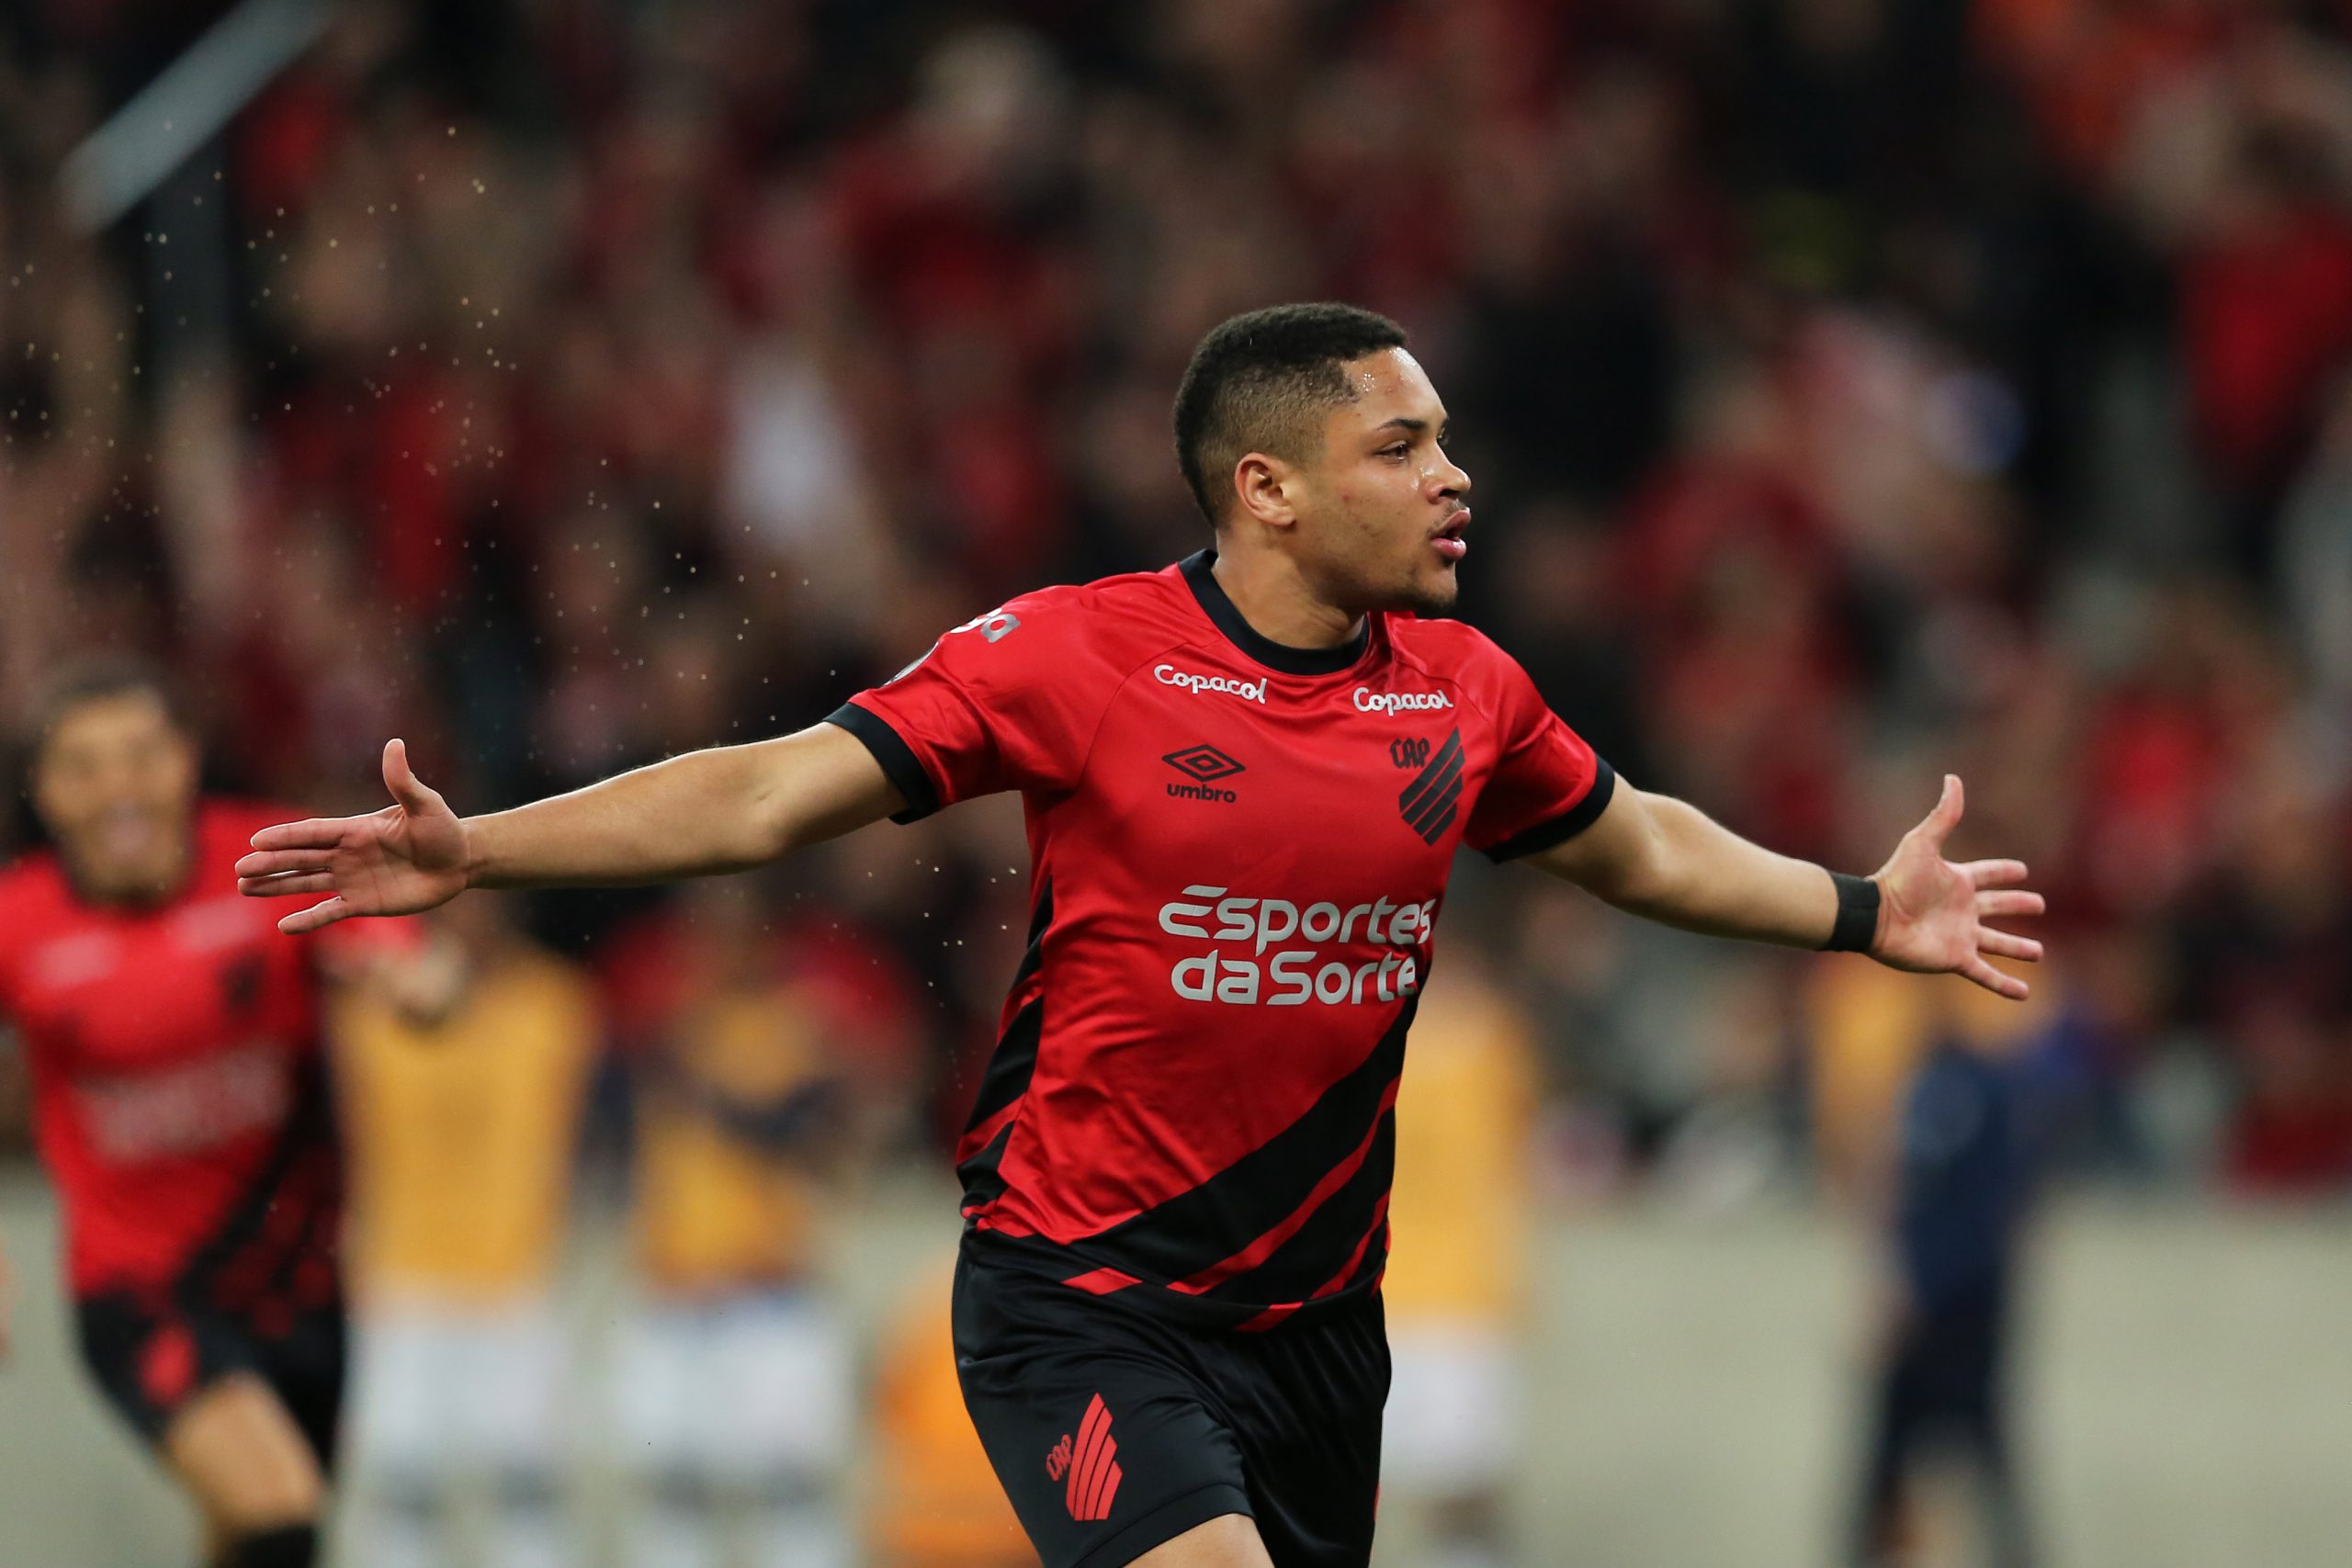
1273,655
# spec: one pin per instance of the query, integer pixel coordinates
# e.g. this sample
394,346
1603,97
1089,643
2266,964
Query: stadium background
1856,389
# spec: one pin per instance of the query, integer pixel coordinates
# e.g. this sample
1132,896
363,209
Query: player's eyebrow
1410,425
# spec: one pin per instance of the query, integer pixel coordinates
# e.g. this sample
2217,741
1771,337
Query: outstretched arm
728,808
1656,856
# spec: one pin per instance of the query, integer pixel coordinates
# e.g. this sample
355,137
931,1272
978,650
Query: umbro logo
1203,765
1427,804
1089,1463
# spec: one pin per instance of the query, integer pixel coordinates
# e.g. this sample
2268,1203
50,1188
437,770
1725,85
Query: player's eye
1396,450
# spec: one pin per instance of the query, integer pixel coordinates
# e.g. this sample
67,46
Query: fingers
316,918
283,886
406,787
1994,981
2001,945
2006,905
318,833
1994,872
272,862
1940,822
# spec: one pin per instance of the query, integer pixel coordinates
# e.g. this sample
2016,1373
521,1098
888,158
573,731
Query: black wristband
1857,914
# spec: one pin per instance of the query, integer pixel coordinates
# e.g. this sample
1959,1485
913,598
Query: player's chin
1433,590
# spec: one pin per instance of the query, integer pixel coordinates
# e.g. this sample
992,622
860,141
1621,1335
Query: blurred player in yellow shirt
934,1501
735,1384
1458,1221
462,1134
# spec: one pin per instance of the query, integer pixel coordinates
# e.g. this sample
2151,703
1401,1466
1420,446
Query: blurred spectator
1455,1286
463,1128
1958,1193
935,1502
734,1381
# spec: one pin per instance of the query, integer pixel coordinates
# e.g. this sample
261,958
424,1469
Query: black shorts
1114,1430
149,1357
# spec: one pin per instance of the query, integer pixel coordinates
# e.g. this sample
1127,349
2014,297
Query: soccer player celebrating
180,1104
1246,776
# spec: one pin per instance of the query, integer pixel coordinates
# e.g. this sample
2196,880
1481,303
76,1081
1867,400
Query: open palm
408,857
1932,913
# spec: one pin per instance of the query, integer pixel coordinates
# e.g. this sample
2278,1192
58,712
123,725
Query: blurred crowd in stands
1855,391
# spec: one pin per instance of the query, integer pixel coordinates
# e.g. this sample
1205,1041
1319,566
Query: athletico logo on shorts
1370,701
1089,1462
1168,675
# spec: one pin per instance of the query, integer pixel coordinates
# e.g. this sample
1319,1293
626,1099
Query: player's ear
1264,488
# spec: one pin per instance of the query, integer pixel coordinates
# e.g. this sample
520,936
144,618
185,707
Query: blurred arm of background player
1656,856
728,808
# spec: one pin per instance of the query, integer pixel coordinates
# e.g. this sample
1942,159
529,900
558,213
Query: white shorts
1452,1425
742,1389
440,1388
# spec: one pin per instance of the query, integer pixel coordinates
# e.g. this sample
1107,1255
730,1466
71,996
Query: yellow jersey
1458,1214
714,1209
462,1135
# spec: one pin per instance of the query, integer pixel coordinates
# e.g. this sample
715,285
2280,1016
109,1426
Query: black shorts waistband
1059,1266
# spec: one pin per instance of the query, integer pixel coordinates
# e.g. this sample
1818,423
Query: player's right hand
409,857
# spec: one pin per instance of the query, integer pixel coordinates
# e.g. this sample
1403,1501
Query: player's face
1382,515
115,783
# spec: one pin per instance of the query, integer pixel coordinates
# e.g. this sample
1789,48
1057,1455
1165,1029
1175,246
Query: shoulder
1110,614
1072,635
1448,648
31,886
222,818
35,902
1462,657
224,827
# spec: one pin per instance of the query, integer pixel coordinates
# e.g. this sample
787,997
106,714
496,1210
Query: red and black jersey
1239,850
179,1095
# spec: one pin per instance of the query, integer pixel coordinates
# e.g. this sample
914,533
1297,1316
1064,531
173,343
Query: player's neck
1278,601
150,887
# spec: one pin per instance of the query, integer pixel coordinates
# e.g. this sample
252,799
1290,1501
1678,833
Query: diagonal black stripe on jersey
248,1252
1308,1261
1006,1078
1206,1225
1443,769
1438,812
983,1184
1375,1258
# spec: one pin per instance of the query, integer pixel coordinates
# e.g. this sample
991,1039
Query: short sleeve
1547,785
1003,702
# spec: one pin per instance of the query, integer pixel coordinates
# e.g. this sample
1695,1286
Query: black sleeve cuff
1566,825
900,764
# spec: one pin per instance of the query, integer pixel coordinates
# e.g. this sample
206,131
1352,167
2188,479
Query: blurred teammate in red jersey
180,1103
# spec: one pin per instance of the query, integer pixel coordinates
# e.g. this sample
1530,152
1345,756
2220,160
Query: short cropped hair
1259,382
97,679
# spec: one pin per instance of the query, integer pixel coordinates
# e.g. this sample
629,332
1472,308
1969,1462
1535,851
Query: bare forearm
703,814
1683,869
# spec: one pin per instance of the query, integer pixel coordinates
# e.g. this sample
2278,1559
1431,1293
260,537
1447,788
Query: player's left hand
1931,912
